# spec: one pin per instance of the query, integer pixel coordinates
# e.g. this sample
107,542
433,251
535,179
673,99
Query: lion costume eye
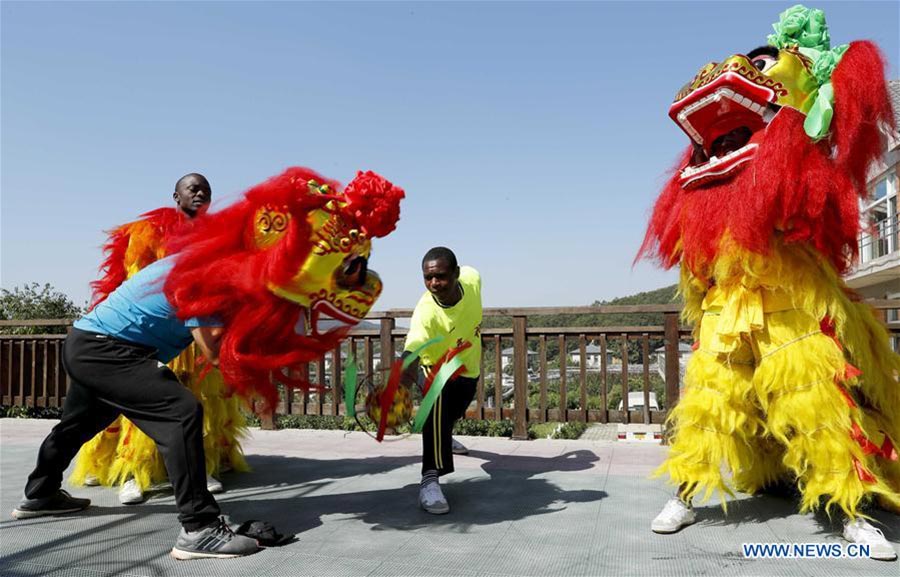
763,62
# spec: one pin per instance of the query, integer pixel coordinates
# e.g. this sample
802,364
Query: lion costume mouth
723,117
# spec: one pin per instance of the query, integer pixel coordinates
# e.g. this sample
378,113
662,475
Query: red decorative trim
888,451
864,475
846,395
868,447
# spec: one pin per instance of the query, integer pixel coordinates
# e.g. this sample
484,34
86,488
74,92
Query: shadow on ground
295,494
763,508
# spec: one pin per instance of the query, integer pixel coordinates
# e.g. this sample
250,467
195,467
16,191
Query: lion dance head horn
284,270
780,140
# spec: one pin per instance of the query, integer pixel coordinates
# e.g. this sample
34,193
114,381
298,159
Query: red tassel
851,372
826,325
868,447
887,449
846,395
864,475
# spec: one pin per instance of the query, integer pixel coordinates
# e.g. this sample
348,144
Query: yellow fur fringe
772,408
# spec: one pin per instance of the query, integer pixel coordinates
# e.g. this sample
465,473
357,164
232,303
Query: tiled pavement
518,508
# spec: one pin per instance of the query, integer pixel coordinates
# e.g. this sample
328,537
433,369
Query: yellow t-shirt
457,324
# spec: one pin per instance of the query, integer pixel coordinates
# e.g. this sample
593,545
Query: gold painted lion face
334,283
728,103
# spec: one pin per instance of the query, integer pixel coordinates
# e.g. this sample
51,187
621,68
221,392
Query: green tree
35,302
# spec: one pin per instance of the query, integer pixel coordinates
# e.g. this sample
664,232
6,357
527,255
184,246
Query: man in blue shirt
116,359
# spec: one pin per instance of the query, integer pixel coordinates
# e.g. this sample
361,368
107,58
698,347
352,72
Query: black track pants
108,377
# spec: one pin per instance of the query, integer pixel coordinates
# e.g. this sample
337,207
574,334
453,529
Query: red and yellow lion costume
122,451
285,271
792,378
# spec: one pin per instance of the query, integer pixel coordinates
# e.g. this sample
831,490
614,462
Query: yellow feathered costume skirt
791,379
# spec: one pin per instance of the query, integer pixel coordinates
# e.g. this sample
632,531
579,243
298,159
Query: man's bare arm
409,377
209,339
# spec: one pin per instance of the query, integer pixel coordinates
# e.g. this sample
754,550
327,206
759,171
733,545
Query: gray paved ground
518,508
600,432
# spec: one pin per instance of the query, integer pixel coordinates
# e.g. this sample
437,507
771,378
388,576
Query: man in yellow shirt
451,311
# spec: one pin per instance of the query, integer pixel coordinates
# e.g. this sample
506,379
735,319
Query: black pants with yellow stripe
437,454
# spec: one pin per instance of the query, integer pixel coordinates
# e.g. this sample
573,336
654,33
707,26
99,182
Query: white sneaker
214,485
91,481
130,493
673,517
432,499
458,448
862,532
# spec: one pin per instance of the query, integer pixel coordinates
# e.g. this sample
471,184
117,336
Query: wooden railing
528,374
514,386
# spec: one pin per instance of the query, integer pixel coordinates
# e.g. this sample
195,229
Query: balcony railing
541,387
881,240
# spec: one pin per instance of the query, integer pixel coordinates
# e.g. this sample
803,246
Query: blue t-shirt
138,312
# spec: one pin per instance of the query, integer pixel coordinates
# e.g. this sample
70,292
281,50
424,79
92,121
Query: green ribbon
350,375
418,351
806,29
350,386
818,119
444,374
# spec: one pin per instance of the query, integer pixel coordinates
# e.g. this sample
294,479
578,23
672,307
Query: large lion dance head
780,138
285,270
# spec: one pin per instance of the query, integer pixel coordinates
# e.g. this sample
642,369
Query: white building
592,355
877,275
507,354
684,353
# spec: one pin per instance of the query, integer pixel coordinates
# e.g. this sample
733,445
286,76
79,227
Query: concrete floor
517,508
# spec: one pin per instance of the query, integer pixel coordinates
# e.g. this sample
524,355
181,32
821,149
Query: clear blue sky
532,138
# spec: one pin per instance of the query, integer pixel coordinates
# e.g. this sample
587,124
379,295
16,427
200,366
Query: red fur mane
152,228
808,191
220,273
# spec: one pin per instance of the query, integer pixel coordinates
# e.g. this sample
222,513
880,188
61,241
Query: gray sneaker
57,504
214,541
432,499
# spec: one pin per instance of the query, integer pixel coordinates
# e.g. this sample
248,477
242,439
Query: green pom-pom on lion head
803,27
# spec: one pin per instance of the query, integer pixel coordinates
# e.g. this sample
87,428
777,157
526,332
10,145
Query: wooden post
563,401
387,347
267,419
543,361
582,344
33,402
498,378
337,389
289,397
520,379
370,357
57,389
604,401
479,393
21,396
44,377
645,342
626,415
673,370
